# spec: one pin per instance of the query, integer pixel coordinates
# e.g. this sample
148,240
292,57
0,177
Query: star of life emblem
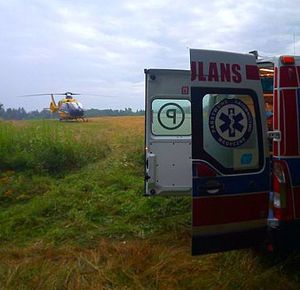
231,122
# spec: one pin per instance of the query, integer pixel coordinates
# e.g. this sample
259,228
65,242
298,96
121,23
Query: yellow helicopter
68,108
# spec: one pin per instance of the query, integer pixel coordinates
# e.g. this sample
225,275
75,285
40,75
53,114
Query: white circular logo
171,116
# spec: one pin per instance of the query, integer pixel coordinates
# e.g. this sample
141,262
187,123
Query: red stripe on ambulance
252,72
275,121
222,72
288,76
229,209
288,124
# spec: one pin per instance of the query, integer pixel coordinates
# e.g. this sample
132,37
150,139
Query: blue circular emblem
231,122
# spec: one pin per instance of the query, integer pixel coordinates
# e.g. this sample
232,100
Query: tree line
22,114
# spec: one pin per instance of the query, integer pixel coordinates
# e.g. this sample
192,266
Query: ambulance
226,132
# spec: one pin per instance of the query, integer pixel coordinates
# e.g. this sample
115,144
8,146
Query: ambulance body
227,132
169,149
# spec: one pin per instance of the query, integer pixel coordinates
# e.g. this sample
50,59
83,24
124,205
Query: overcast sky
102,47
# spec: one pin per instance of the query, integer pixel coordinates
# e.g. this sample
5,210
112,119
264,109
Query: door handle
211,186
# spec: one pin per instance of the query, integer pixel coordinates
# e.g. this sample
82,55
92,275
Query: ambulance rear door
168,163
286,158
230,158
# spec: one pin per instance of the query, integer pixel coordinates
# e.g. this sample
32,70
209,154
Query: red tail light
287,59
282,192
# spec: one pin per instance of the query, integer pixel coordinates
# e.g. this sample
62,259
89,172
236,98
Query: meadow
73,216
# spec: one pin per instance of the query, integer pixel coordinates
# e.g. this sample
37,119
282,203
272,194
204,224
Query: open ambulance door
230,159
168,157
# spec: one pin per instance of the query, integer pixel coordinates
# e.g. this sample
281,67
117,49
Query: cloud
96,46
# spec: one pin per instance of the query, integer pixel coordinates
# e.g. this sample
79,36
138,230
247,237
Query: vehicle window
171,117
269,112
230,131
267,84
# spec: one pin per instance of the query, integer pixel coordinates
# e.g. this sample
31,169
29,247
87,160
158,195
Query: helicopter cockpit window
76,106
80,106
64,107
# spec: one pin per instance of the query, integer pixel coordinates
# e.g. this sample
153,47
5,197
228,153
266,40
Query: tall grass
99,196
91,228
47,147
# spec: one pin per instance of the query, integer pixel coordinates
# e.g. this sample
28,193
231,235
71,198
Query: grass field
72,216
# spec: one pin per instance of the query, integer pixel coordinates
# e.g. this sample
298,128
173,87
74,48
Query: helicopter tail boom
53,106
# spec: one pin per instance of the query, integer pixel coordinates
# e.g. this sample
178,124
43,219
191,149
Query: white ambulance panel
168,132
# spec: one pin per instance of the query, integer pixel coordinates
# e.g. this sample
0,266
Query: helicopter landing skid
73,120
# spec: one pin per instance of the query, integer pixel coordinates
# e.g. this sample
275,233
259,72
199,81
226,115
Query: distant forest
21,114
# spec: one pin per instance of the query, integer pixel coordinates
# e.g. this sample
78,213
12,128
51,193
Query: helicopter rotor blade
66,93
49,94
33,95
102,96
